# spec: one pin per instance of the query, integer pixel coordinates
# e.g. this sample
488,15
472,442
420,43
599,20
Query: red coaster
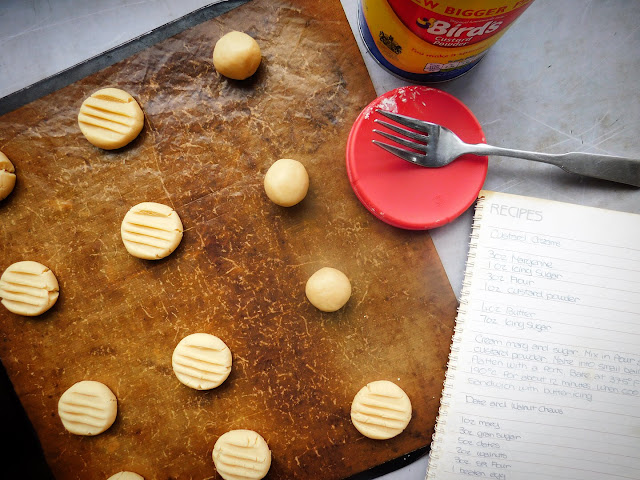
406,195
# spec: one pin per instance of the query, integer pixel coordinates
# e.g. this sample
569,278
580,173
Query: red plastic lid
406,195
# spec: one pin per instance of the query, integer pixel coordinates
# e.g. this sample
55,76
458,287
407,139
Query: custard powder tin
433,41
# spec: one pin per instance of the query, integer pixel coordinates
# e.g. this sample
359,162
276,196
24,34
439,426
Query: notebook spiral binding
452,363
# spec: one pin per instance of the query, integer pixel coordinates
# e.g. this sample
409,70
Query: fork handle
607,167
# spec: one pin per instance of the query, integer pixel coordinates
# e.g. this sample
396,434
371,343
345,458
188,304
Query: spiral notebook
543,380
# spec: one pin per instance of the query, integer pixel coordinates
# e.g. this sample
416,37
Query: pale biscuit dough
7,176
87,408
328,289
286,182
381,410
236,55
151,230
110,118
28,288
126,476
201,361
241,455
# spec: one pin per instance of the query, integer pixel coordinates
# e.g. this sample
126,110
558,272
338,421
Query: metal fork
437,146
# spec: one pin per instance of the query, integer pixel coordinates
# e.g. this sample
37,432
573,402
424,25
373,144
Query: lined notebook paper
544,371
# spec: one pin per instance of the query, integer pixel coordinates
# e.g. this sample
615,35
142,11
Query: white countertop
563,78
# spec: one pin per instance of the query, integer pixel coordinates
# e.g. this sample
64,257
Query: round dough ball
201,361
87,408
328,289
28,288
286,182
126,476
7,176
151,230
236,55
241,450
381,410
110,118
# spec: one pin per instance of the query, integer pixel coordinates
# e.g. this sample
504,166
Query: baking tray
414,314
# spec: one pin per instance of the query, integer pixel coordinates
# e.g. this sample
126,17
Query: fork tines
419,125
402,131
420,143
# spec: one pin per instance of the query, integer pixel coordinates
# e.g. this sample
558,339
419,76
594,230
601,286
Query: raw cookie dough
286,182
7,176
87,408
241,454
381,410
151,230
236,55
126,476
110,118
201,361
328,289
28,288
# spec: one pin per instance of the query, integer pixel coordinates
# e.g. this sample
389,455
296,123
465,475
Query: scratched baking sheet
240,270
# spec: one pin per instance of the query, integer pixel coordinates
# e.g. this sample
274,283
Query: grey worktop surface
563,78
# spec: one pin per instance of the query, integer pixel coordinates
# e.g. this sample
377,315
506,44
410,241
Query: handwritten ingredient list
544,371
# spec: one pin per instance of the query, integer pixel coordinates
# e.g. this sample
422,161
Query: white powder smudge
389,104
368,112
408,94
404,94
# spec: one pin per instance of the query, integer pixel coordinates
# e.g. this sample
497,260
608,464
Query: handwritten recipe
544,371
